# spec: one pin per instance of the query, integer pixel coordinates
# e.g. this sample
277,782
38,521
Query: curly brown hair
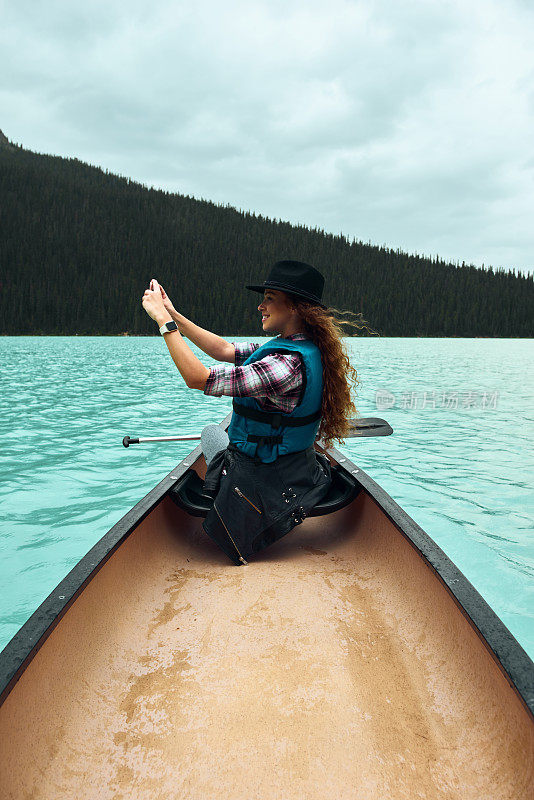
326,331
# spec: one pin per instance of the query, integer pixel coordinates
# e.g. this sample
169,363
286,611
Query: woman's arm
278,377
213,345
191,369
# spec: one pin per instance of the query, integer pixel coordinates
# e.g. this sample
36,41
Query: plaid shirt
275,381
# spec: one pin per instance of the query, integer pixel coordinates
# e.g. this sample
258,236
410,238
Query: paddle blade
369,426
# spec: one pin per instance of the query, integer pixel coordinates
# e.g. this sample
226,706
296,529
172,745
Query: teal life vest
265,435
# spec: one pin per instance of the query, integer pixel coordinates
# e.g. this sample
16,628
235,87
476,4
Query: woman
265,475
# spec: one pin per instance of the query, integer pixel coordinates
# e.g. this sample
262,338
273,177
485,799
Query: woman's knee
212,440
211,427
212,432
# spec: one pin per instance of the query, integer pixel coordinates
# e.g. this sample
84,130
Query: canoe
351,659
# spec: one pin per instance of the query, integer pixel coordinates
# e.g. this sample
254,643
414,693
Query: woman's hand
153,302
166,299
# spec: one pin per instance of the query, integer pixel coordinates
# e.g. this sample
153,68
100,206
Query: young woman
265,474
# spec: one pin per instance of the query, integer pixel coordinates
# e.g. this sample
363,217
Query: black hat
296,278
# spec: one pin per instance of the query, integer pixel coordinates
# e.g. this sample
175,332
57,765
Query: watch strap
168,327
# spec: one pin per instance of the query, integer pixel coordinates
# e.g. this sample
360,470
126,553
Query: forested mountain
78,247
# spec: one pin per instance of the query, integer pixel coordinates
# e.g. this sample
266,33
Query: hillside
78,246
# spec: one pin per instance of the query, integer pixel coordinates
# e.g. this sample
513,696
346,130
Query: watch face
171,326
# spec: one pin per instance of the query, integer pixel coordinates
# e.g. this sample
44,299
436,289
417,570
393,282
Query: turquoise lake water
460,462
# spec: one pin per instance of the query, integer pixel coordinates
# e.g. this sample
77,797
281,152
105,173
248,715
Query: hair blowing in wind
339,376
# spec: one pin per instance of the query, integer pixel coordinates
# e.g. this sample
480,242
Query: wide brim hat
295,278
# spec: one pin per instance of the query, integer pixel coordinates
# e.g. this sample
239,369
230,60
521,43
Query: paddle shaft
370,426
127,441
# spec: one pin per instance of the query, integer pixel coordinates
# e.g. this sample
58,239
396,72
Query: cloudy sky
409,124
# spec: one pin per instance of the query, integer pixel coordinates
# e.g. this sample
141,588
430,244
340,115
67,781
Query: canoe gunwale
502,645
515,663
24,645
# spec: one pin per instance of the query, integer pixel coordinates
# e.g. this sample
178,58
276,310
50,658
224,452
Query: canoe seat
188,493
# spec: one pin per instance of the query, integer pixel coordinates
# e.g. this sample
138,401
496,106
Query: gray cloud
406,124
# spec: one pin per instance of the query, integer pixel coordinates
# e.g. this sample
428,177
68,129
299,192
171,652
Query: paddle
368,426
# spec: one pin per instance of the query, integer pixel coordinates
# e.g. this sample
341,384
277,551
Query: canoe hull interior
336,665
